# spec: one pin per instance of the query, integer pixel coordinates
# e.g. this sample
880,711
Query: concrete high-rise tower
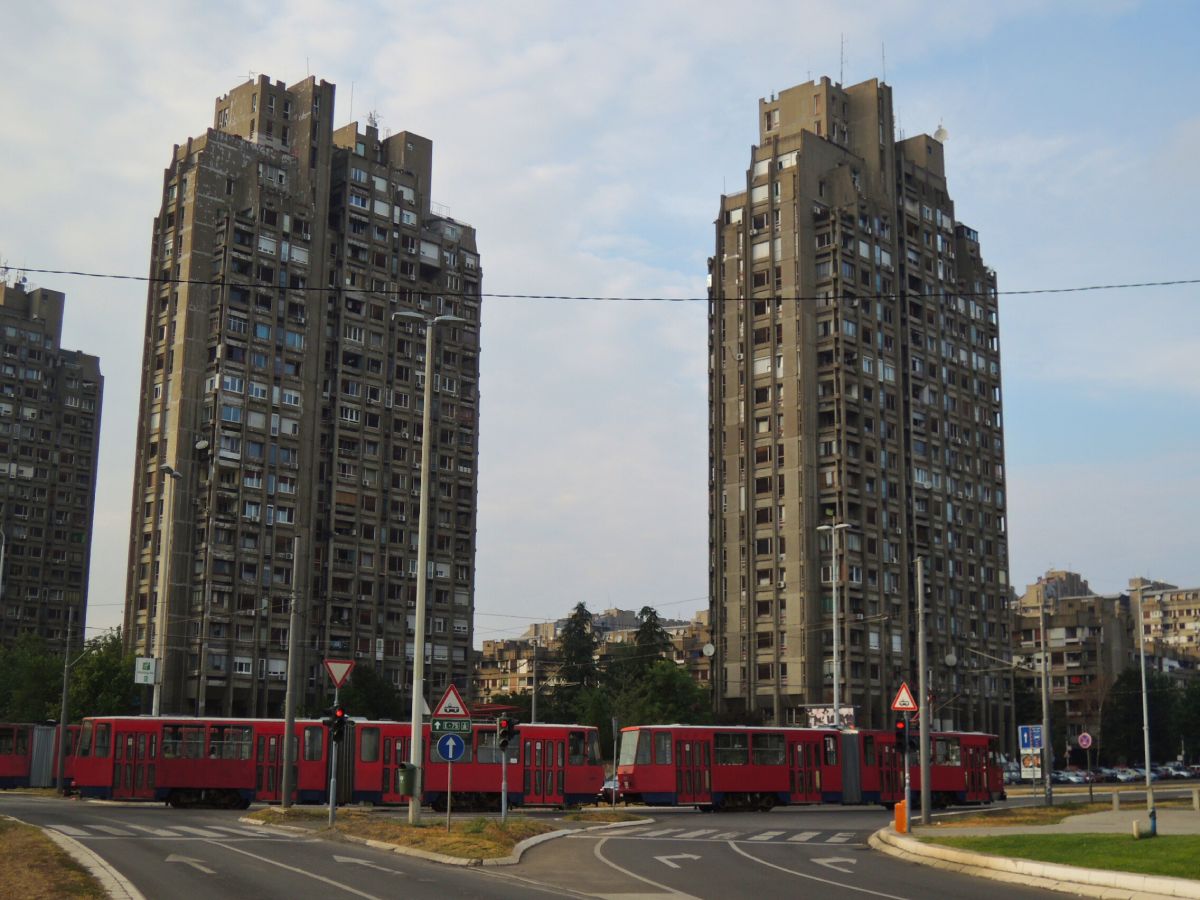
279,442
50,401
854,381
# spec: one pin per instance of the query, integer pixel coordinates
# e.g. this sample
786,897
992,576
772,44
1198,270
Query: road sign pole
503,782
907,776
333,764
449,791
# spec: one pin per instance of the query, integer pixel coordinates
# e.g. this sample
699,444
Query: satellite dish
708,650
941,135
951,659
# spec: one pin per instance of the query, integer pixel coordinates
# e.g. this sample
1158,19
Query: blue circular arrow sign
451,747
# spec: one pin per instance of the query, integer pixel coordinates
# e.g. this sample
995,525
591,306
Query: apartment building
1169,616
854,383
279,442
50,402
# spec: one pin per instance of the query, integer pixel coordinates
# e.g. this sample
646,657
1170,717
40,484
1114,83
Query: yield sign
451,705
339,670
904,701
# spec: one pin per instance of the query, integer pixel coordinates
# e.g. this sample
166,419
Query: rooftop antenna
883,58
941,135
373,119
842,60
352,101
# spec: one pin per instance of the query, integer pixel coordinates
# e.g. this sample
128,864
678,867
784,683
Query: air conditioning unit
782,585
740,357
283,556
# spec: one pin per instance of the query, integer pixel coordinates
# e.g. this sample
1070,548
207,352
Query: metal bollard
1116,797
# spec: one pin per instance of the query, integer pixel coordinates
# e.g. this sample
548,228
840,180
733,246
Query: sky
590,145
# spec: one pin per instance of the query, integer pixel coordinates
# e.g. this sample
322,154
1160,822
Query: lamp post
162,609
3,547
1141,626
1047,748
418,671
837,640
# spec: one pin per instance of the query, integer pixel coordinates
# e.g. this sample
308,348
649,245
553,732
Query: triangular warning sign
451,706
339,670
904,701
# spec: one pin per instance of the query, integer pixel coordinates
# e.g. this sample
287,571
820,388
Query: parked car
609,792
1124,776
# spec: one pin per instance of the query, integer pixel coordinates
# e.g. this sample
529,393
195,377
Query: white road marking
329,881
841,837
836,863
766,836
612,865
112,829
696,833
198,832
726,836
670,860
802,836
196,864
157,832
69,829
842,884
661,831
244,832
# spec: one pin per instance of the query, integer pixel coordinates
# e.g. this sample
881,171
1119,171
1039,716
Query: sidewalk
1051,876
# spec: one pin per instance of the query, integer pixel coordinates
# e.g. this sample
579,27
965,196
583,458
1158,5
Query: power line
410,292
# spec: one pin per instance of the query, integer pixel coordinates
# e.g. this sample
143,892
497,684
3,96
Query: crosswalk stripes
658,833
766,836
803,836
841,837
198,832
69,830
113,830
696,833
712,834
726,836
157,832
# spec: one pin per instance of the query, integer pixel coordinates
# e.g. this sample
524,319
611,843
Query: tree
577,646
651,638
372,696
1189,721
101,682
30,681
1122,721
666,693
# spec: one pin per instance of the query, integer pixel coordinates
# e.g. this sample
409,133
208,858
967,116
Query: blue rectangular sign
1030,737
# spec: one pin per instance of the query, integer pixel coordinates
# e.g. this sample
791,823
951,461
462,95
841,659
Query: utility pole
61,762
1047,749
288,782
923,718
533,702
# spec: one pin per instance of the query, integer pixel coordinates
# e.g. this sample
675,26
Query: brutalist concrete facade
854,379
50,403
286,397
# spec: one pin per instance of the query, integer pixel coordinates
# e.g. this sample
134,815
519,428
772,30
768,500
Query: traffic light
902,742
339,723
506,730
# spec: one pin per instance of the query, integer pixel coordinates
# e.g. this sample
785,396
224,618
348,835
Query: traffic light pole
503,784
333,767
923,711
907,775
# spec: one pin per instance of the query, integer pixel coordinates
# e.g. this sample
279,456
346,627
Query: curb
1051,876
116,885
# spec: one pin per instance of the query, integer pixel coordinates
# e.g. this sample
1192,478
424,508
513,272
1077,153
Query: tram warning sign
904,701
451,705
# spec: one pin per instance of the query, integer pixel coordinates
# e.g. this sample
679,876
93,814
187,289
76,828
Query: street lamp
162,607
837,641
418,672
1141,627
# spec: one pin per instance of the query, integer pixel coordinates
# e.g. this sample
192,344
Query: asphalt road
198,854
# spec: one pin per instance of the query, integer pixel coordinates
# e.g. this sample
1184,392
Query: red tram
29,755
715,767
232,762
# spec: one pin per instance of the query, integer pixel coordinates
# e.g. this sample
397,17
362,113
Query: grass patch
1173,854
1022,815
35,866
477,838
604,814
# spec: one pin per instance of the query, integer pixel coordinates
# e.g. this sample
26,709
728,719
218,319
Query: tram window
486,750
946,752
629,744
593,748
768,749
22,744
869,750
643,748
229,742
172,735
368,745
575,748
662,748
193,743
103,739
312,742
6,741
830,750
85,740
729,749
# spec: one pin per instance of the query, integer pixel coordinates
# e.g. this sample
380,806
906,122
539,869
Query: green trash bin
406,777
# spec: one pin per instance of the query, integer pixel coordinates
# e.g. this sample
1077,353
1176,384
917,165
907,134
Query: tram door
693,770
974,759
268,767
133,765
395,755
544,767
806,772
891,773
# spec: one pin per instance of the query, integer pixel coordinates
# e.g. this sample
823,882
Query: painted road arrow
667,860
194,863
365,862
834,862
